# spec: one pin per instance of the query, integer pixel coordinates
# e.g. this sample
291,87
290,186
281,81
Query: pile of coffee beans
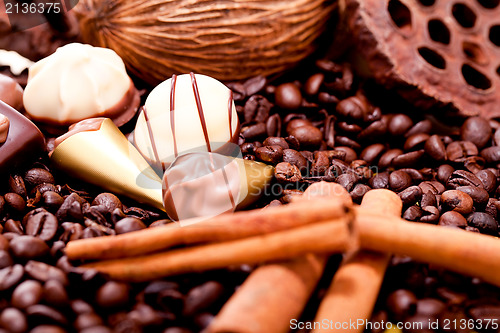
325,125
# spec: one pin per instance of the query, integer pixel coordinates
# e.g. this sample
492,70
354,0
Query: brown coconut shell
228,40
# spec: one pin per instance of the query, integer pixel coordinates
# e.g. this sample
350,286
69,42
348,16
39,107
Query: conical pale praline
77,82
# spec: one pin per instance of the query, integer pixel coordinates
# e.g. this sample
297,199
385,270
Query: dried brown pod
228,40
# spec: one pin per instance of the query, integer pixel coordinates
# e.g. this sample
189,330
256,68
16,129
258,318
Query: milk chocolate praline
78,82
11,92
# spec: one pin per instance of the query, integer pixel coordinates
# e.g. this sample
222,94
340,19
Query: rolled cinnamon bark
357,282
455,249
325,237
276,293
219,228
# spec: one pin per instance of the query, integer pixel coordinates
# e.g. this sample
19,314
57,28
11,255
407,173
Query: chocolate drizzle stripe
200,110
152,139
172,112
230,113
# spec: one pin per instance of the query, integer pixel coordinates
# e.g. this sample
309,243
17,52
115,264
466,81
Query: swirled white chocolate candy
77,82
186,113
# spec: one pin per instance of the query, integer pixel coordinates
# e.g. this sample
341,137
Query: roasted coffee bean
399,124
5,259
71,209
423,126
435,148
476,130
28,247
358,192
478,195
491,154
349,153
430,214
348,142
48,329
463,178
313,84
87,320
52,200
430,307
13,320
26,294
458,151
347,181
248,148
40,223
4,243
380,180
457,201
286,172
72,231
296,123
416,141
254,131
79,306
16,185
401,303
371,153
202,320
44,314
44,187
413,213
308,136
488,179
387,157
10,276
200,298
352,108
129,224
44,272
254,85
415,175
484,222
362,169
177,330
399,180
2,204
474,163
269,154
347,128
288,96
14,201
428,199
256,108
14,226
55,294
410,195
444,172
375,130
485,312
112,294
295,158
36,176
107,203
320,164
408,159
276,141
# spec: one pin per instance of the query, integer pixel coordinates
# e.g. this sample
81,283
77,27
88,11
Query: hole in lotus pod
494,35
475,78
489,4
474,53
400,14
432,57
438,31
427,3
464,15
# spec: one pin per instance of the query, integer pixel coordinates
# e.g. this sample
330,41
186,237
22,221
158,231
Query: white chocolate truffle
186,113
77,82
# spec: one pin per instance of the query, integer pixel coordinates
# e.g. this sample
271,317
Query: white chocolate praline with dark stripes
186,113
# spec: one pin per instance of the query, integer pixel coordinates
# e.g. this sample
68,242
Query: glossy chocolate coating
24,140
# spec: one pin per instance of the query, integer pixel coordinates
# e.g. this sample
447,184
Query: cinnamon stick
356,284
454,249
276,293
219,228
325,237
